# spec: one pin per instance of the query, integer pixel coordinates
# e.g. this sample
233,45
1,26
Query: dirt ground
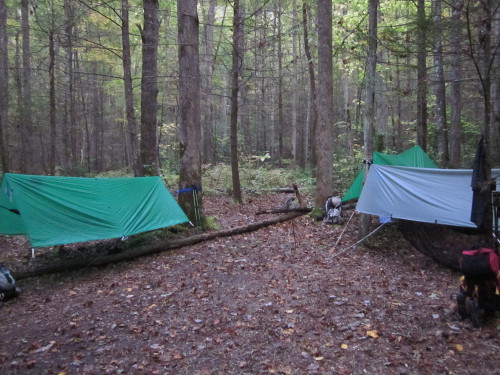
286,299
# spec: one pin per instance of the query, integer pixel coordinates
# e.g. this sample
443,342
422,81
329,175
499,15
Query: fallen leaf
344,346
459,347
372,333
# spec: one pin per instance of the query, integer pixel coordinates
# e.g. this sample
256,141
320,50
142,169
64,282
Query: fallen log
76,264
303,210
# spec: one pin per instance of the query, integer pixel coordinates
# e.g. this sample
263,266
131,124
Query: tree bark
26,116
134,155
324,134
455,86
237,61
208,141
149,89
421,76
189,111
495,93
440,90
281,121
52,99
369,115
313,114
4,88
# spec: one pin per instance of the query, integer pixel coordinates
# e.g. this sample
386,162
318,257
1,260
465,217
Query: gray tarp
440,196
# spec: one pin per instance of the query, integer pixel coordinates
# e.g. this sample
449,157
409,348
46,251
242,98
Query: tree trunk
189,111
208,141
237,62
4,88
440,90
149,89
134,155
52,99
324,134
297,132
455,86
398,142
421,76
495,93
27,163
69,120
313,114
281,122
369,115
86,261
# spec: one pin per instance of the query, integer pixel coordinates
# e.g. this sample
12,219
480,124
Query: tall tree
281,121
4,87
455,84
26,116
52,96
129,93
324,131
369,114
421,75
495,89
237,62
149,88
313,110
440,89
207,139
189,110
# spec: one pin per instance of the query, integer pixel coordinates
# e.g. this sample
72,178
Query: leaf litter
273,301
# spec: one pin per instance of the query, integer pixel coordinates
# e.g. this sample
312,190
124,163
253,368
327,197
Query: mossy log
75,264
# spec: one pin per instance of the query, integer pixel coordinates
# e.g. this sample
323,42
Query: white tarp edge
440,196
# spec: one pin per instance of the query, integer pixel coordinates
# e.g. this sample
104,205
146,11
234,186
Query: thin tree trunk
421,76
399,122
495,93
208,141
52,95
440,90
149,89
4,88
455,86
235,81
27,165
135,163
280,85
324,134
313,114
243,91
296,131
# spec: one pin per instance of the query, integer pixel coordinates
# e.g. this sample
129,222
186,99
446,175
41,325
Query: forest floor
286,299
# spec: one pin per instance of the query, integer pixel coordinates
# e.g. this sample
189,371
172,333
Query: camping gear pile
333,210
8,286
480,285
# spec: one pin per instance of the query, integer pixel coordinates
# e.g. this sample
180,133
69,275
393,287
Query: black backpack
8,287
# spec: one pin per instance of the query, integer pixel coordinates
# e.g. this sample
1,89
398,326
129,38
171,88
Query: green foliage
210,222
255,179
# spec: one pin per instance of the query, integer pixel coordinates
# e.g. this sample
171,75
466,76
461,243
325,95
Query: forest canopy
75,93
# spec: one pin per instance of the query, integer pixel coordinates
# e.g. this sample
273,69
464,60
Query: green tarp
414,157
59,210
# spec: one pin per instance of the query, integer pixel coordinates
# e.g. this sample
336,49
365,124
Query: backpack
479,264
8,287
333,210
